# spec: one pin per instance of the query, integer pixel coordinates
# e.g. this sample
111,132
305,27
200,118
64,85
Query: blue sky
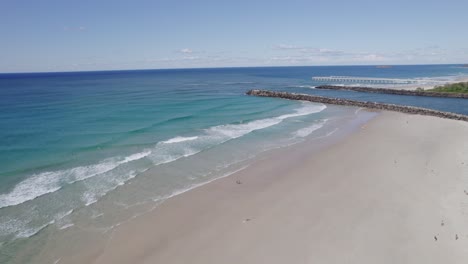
65,35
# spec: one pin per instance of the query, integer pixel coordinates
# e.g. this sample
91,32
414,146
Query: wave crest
166,151
49,182
179,139
304,132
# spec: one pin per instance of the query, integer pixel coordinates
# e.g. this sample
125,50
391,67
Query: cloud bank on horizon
111,35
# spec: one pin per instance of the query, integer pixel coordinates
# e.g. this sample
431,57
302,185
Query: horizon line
230,67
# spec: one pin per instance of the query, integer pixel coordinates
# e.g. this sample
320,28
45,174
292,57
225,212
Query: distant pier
351,79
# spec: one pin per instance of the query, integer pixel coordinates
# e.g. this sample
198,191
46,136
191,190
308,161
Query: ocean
83,152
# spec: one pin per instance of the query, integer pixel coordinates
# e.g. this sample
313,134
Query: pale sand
380,195
428,86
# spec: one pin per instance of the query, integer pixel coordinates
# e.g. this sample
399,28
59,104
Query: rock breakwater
393,91
365,104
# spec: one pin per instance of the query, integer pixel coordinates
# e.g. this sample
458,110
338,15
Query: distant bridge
350,79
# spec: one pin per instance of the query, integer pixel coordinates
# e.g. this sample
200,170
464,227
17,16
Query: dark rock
365,104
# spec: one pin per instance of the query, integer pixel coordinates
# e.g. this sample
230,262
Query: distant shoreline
393,91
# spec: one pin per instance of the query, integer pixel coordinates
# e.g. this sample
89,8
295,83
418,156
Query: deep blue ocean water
71,143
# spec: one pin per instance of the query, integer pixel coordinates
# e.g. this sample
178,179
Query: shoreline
336,129
394,91
430,86
380,193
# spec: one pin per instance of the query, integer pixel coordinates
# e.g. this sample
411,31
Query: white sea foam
49,182
97,190
66,226
238,130
96,215
307,109
179,139
62,221
22,231
223,133
332,132
62,215
162,156
304,132
10,226
29,232
136,156
328,134
88,198
163,152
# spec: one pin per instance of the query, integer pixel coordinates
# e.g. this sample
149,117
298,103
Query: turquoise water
86,151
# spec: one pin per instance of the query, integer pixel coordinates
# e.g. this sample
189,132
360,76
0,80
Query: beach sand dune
393,192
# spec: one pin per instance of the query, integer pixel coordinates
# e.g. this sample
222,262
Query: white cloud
190,58
331,52
308,50
281,55
369,57
186,51
286,47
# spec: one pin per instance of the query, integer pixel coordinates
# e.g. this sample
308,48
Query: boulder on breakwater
365,104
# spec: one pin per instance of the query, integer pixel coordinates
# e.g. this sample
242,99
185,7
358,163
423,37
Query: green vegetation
461,87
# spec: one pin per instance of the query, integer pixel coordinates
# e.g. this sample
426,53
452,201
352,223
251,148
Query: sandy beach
233,132
395,191
430,86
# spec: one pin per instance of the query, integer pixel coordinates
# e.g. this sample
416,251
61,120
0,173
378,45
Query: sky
86,35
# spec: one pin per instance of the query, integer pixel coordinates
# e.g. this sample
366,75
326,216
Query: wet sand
395,191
